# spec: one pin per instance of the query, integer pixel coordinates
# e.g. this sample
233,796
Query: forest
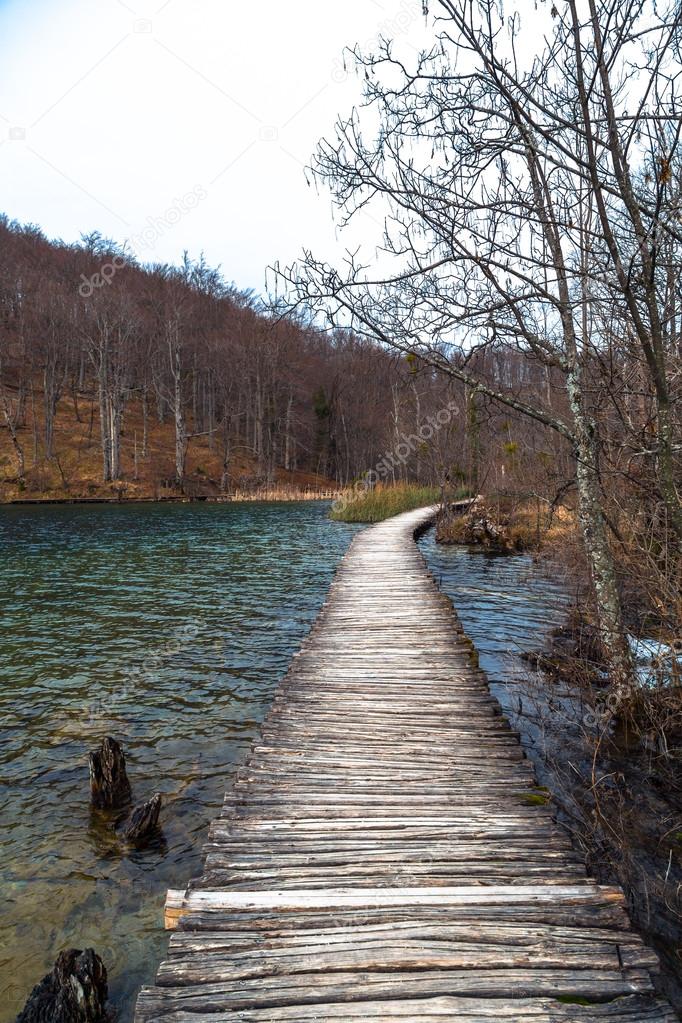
120,379
530,252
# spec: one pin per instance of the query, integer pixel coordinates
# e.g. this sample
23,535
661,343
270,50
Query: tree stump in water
109,785
75,991
143,822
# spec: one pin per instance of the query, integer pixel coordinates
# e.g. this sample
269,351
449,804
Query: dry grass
520,525
383,502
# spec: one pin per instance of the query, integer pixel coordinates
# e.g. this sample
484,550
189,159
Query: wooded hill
118,380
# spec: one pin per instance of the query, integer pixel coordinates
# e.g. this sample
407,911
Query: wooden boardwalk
385,854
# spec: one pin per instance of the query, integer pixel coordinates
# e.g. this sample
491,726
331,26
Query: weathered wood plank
633,1009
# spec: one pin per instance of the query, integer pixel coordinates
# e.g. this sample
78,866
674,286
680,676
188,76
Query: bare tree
12,411
109,331
498,211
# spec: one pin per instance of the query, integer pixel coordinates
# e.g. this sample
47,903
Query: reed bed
382,502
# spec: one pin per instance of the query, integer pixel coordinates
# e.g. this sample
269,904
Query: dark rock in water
109,785
75,992
143,823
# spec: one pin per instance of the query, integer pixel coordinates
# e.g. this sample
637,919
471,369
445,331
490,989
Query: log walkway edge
385,853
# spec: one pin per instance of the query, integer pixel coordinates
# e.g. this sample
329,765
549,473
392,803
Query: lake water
168,627
507,604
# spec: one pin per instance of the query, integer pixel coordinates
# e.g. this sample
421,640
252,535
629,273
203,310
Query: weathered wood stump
143,822
109,785
74,992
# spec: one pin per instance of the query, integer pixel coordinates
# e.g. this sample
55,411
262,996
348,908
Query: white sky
113,110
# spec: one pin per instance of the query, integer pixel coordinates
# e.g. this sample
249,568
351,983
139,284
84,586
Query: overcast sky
113,113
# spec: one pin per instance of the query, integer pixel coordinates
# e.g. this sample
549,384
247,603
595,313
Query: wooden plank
632,1009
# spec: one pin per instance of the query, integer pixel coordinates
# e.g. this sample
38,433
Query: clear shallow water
507,603
168,627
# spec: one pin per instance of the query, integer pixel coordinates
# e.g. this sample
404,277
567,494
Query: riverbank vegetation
618,791
382,502
508,523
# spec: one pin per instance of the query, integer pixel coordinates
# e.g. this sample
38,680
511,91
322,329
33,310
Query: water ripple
167,626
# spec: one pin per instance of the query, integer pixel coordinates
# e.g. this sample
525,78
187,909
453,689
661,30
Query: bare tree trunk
666,463
35,426
595,535
346,480
287,435
474,439
181,436
258,437
19,451
210,411
180,431
51,397
195,404
12,418
91,425
74,394
145,418
116,421
105,433
107,348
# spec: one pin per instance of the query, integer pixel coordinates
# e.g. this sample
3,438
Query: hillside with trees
149,381
124,381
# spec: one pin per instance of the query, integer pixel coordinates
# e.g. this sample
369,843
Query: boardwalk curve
385,854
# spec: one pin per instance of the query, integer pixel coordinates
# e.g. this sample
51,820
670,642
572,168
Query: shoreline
274,497
622,805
